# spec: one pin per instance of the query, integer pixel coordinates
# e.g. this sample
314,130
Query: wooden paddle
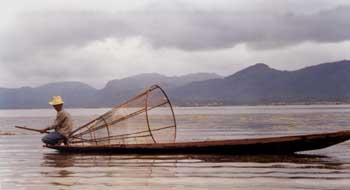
29,129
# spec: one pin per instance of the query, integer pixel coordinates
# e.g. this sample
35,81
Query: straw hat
56,100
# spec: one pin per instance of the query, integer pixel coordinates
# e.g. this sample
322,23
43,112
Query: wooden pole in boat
29,129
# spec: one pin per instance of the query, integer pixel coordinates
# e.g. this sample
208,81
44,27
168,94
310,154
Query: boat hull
270,145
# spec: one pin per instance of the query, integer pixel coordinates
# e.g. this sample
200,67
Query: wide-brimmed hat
56,100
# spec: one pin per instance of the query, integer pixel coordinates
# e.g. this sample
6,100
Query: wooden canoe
269,145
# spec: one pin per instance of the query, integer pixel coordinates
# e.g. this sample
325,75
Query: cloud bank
94,45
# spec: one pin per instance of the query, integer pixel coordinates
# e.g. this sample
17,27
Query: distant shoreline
273,104
208,105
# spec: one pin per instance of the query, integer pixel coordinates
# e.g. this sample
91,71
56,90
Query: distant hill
119,90
260,84
77,94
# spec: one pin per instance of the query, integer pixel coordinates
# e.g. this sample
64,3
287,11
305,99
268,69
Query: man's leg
52,138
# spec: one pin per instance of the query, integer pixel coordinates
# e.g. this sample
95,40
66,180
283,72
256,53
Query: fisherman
63,124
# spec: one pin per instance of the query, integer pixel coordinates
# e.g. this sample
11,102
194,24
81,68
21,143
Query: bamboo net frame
146,118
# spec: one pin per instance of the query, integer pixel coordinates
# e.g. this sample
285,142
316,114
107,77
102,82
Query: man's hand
44,130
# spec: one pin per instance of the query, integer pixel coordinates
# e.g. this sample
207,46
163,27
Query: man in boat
62,125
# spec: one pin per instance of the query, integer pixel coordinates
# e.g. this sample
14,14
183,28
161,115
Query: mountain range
257,84
260,84
78,94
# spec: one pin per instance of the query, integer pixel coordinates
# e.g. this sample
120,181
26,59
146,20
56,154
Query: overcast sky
95,41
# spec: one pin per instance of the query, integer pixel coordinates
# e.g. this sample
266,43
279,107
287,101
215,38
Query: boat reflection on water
62,160
89,171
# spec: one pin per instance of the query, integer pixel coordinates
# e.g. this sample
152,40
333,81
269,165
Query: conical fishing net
146,118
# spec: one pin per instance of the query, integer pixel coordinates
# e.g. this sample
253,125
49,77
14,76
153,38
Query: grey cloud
188,30
35,39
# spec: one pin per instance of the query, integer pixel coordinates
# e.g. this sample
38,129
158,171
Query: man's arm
61,117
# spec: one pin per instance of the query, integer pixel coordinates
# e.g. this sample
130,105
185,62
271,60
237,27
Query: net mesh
146,118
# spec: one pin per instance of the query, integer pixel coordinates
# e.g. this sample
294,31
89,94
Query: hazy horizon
104,83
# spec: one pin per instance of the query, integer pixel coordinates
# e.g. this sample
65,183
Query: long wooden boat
146,124
270,145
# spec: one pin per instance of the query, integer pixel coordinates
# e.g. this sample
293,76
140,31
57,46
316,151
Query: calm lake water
24,164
